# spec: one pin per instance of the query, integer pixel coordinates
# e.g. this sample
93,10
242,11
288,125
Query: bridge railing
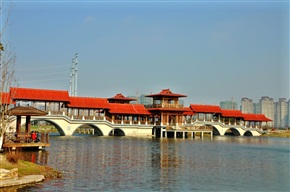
194,128
129,122
71,115
213,122
55,112
87,117
164,105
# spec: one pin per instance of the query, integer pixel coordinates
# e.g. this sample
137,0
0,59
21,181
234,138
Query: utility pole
76,75
73,81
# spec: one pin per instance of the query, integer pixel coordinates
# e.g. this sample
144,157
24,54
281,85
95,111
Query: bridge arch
58,127
248,133
232,131
215,131
117,132
97,130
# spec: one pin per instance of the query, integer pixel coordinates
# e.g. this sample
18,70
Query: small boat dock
22,141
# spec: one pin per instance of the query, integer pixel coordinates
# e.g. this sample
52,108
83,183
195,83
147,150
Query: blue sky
210,51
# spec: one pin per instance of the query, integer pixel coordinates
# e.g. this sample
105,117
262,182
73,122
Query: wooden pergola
23,139
27,111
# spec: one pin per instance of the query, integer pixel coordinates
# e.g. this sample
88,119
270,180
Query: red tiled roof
256,117
38,94
6,99
132,109
88,103
205,108
166,93
120,96
232,113
188,112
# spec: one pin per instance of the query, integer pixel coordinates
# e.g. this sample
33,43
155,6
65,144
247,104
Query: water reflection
147,164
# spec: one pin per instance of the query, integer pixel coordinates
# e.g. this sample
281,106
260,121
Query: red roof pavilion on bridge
88,103
232,113
166,93
6,99
120,98
188,111
256,117
132,109
198,108
166,108
28,94
168,102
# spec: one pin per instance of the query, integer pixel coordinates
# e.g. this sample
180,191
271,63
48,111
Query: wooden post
27,124
42,137
18,124
47,137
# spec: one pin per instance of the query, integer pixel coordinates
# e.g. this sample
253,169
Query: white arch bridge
67,126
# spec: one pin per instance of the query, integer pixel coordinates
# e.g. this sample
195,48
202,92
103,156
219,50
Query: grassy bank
279,133
27,168
44,128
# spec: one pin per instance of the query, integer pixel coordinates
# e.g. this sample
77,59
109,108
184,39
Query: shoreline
278,134
24,180
27,173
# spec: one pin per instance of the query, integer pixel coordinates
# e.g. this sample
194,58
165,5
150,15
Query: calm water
93,163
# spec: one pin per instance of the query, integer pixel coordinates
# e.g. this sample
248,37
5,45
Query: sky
211,51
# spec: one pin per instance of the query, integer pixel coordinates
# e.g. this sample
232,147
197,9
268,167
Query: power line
51,79
40,68
41,74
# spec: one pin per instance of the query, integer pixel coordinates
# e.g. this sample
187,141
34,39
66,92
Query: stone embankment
10,178
23,172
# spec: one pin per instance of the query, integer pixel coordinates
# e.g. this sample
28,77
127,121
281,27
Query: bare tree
7,62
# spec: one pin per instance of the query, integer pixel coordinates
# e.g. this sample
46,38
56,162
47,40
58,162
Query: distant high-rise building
268,108
133,97
229,105
281,113
257,108
141,100
288,114
247,105
278,112
145,100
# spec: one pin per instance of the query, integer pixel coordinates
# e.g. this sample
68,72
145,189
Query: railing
164,105
25,137
128,122
55,112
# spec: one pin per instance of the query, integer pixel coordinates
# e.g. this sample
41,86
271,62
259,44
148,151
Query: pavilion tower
166,109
